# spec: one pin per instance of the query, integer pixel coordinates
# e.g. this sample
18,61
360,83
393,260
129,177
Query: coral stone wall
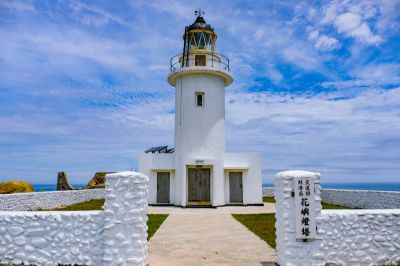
360,237
47,200
359,199
49,238
115,236
362,199
344,237
291,252
125,229
268,192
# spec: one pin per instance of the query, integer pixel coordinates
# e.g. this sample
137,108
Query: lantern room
199,35
199,53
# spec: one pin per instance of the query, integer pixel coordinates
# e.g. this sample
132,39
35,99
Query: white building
199,171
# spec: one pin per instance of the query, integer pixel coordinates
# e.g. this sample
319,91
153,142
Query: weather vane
199,12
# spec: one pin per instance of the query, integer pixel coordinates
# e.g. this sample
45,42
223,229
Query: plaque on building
304,197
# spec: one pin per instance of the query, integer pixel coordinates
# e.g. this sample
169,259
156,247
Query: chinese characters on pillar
304,198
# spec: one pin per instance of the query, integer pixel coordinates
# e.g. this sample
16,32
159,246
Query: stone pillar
292,251
125,224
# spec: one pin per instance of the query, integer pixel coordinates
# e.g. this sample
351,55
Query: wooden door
163,187
199,184
236,187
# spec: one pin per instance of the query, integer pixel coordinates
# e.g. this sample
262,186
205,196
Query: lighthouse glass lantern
199,47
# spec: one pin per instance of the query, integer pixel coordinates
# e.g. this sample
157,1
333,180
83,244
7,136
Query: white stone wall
47,200
291,252
360,237
268,192
362,199
125,229
344,237
50,238
359,199
115,236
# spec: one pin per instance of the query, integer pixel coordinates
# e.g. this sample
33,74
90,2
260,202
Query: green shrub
15,186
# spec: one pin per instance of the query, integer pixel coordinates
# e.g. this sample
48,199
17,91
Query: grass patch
269,199
154,222
91,205
334,207
324,205
263,225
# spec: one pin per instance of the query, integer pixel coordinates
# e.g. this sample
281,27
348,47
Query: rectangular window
200,99
200,60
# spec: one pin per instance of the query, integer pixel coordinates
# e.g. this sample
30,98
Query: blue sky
316,85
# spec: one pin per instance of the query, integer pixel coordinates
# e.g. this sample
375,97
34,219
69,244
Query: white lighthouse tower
199,172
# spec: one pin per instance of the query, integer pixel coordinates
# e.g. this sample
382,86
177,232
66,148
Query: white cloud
379,73
323,42
17,5
325,132
351,24
102,15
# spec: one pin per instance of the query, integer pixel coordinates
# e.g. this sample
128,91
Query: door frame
169,187
229,186
191,203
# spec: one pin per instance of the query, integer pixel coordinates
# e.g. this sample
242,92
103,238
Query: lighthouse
198,171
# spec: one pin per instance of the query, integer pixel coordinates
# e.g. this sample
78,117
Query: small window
200,60
200,99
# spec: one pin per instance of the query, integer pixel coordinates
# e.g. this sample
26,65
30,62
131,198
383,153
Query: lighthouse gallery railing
211,59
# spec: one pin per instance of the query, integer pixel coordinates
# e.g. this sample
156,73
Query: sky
316,85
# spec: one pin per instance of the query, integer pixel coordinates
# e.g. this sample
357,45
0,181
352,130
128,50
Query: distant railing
180,61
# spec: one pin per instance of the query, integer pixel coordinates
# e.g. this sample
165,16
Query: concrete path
208,237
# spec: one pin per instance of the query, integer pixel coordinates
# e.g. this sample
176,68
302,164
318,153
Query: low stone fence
306,235
47,200
115,236
362,199
268,191
359,199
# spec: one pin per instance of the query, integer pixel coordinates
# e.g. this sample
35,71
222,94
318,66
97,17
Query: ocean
52,187
353,186
394,186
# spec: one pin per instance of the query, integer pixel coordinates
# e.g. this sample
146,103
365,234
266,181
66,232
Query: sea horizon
378,186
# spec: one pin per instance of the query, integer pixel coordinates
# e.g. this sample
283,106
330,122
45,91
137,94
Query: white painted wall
200,131
47,200
115,236
250,163
149,164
